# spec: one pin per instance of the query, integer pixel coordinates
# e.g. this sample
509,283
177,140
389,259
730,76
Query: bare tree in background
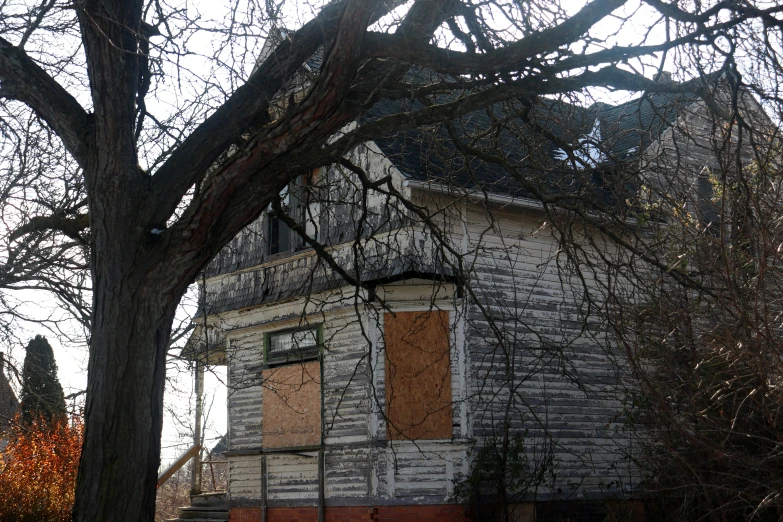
172,149
39,178
707,355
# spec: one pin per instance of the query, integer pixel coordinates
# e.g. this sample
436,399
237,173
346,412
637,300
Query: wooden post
321,484
264,507
195,476
211,470
181,461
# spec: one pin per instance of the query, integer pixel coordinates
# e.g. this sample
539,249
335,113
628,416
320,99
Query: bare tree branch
245,108
23,80
71,227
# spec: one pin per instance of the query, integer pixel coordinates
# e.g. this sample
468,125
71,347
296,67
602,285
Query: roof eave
476,195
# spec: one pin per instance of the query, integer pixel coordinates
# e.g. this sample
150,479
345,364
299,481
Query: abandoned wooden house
369,363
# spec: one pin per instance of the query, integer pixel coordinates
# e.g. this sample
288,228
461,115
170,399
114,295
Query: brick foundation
436,513
526,512
244,515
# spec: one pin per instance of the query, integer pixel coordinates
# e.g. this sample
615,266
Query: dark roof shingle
430,155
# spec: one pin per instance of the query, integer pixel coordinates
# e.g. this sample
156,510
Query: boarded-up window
292,406
418,375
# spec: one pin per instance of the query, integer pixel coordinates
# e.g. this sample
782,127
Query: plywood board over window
292,406
418,375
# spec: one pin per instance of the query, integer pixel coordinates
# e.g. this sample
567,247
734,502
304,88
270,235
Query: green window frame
292,345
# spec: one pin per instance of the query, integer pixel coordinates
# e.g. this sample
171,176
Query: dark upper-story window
299,201
279,235
308,205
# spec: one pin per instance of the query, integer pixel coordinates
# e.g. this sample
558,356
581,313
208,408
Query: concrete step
206,507
217,498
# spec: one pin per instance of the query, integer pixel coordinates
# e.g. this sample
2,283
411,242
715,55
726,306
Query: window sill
282,257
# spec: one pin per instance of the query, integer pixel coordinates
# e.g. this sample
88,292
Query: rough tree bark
117,477
132,312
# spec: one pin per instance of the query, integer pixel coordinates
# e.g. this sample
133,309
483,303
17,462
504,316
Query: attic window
588,151
307,208
277,231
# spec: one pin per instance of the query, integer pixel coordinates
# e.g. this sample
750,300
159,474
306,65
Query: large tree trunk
133,310
134,296
127,370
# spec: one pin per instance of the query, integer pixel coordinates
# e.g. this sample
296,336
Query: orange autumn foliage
38,471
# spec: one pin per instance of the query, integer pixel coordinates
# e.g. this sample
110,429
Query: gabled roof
429,154
634,125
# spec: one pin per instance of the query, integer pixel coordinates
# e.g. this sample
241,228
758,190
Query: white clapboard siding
245,392
347,472
346,407
245,480
418,471
537,308
546,346
292,477
345,385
